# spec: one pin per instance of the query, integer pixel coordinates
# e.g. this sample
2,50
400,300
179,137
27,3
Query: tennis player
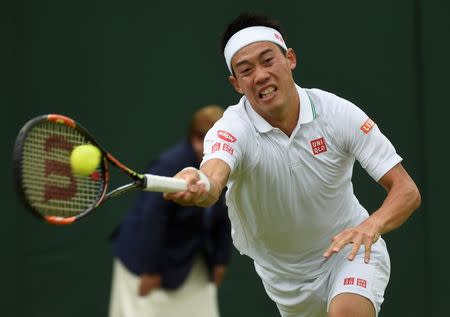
286,154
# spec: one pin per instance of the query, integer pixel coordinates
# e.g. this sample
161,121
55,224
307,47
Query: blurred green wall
132,73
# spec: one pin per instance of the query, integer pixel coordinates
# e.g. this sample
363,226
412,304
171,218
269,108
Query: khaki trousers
197,297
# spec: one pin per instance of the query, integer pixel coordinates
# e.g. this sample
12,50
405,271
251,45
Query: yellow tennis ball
85,159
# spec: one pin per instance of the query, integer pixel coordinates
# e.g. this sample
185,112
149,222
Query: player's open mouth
267,92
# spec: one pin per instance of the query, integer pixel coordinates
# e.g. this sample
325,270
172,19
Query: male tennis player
287,154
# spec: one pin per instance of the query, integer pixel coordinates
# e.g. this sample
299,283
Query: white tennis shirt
288,196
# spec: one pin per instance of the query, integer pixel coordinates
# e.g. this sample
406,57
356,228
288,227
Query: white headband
250,35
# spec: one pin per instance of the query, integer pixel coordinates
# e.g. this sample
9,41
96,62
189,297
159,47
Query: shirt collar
307,112
307,109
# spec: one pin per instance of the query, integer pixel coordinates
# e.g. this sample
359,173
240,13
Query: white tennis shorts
311,298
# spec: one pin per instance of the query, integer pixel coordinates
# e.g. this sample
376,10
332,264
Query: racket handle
163,184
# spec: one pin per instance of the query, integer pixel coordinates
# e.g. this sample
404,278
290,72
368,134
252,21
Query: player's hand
218,274
196,189
365,234
148,283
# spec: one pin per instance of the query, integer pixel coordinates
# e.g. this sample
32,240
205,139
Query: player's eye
268,61
245,71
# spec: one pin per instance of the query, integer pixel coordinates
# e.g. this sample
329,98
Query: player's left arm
403,197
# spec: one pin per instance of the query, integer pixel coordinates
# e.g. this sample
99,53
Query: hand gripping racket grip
163,184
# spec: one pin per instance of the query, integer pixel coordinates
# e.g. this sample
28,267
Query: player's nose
261,75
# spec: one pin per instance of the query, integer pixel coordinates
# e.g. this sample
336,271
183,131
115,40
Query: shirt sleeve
226,141
363,139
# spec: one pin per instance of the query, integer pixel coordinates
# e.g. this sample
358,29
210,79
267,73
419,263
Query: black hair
245,20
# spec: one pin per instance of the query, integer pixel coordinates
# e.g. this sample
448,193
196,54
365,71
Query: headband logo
278,37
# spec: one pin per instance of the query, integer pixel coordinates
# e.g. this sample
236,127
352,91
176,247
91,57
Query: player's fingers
328,252
181,198
173,196
168,196
195,188
337,245
189,175
367,251
355,249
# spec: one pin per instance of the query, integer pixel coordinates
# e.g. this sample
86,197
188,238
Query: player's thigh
351,305
359,282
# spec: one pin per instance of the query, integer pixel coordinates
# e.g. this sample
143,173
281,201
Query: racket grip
163,184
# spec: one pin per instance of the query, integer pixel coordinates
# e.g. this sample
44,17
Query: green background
132,72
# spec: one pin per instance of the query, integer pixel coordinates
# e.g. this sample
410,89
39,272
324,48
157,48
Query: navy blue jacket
160,237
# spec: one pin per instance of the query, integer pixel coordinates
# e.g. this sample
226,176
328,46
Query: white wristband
203,178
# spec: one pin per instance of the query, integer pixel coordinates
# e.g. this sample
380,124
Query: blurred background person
169,259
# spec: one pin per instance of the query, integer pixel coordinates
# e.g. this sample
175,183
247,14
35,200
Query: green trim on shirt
313,107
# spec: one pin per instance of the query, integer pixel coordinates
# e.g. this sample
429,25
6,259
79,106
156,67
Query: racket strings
49,184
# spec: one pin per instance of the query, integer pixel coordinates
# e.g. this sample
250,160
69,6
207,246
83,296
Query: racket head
42,172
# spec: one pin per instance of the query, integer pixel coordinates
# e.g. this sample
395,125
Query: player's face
264,74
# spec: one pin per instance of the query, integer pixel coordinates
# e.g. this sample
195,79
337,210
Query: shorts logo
318,146
361,282
227,148
226,136
216,147
367,126
349,281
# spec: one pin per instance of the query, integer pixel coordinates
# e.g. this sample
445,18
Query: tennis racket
46,183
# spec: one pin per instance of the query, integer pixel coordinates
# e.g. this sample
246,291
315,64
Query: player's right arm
217,172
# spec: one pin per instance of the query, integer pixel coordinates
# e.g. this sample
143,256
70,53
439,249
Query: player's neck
286,119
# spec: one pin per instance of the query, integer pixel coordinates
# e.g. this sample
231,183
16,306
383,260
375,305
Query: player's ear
234,82
292,58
